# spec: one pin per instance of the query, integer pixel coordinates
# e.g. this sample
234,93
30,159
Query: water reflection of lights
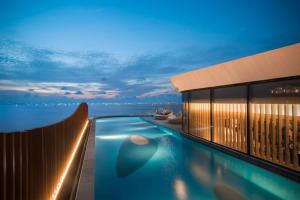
169,132
265,182
139,140
112,137
122,136
202,174
141,128
180,189
104,120
136,123
219,171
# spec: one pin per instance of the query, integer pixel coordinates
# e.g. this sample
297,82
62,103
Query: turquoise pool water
139,160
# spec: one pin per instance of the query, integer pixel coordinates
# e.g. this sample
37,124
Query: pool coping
285,172
85,189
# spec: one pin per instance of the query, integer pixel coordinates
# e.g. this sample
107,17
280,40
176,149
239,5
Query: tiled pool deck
86,182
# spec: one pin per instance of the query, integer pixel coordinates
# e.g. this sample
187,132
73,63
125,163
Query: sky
126,51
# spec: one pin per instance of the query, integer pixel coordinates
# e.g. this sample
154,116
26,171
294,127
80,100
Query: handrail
36,163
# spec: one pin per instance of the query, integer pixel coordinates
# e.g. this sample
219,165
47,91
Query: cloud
100,75
78,92
157,92
137,81
20,61
71,90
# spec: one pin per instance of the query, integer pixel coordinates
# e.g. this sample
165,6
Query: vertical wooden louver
260,119
229,125
199,123
274,130
199,114
33,161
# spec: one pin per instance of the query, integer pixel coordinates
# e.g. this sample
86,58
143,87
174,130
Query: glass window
185,104
199,114
275,122
229,117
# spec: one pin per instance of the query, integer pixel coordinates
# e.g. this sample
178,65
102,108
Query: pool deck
86,182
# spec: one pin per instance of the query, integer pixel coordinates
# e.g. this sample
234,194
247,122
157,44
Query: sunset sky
126,51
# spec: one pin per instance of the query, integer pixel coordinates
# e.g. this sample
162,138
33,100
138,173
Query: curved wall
43,163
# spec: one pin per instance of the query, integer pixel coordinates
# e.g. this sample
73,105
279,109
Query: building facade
250,105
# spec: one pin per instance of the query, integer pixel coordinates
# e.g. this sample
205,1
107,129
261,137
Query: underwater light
139,139
111,137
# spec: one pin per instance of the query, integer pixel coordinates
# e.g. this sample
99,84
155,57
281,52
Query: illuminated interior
200,125
274,132
271,129
230,125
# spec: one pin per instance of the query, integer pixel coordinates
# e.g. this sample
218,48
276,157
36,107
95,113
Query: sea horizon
25,116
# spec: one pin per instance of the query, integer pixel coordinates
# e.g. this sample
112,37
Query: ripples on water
16,117
152,162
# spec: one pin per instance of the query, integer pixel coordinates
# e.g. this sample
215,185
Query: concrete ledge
87,178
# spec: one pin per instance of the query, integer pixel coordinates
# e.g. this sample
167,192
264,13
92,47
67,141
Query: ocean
18,117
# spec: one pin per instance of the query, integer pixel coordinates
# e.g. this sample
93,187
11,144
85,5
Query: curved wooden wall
33,162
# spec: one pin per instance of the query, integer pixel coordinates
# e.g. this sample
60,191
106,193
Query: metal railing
42,163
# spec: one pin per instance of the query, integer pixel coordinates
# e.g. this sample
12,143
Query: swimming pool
139,160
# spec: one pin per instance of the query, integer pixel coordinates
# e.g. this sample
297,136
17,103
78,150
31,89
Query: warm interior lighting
230,107
229,125
69,162
199,123
267,109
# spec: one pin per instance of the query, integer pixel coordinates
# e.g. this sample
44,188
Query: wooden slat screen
32,161
185,104
275,133
229,125
273,109
199,120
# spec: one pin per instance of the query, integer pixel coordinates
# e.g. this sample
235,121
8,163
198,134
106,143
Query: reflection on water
180,189
134,152
141,128
224,192
112,137
200,173
156,163
229,177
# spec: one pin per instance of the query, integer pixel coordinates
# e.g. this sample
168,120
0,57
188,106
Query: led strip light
63,176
